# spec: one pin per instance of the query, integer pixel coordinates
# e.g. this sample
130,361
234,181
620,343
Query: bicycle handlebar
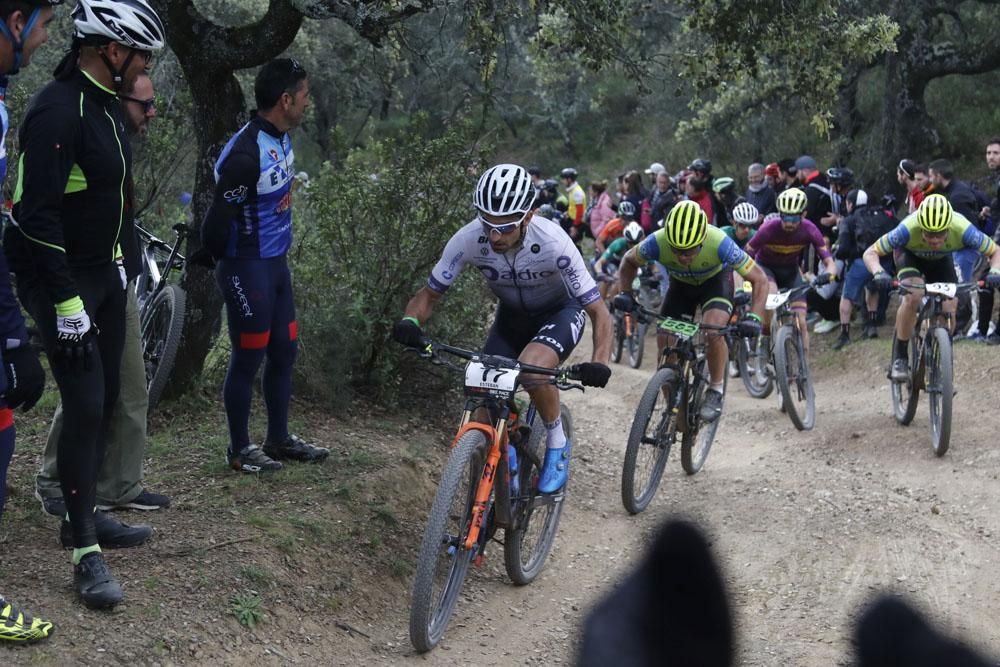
959,287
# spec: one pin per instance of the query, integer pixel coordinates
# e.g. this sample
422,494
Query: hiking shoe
251,459
295,448
55,505
974,337
146,501
555,469
825,326
111,533
711,406
993,339
842,341
16,626
900,371
94,583
870,332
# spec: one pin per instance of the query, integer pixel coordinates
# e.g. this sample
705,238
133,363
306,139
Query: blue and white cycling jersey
263,227
544,273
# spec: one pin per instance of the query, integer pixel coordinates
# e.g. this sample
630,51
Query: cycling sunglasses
505,228
791,217
147,105
688,252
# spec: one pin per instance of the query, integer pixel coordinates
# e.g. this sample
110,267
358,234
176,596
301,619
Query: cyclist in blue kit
249,231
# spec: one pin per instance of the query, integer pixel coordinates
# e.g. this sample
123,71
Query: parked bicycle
931,362
161,307
473,501
670,404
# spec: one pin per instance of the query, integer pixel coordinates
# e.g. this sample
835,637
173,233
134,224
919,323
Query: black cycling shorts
683,299
909,265
559,329
786,277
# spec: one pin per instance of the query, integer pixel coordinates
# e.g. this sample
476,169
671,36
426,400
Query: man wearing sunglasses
700,260
778,247
139,104
543,288
922,245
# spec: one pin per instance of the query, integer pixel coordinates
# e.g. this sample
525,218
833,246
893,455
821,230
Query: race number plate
482,379
775,301
948,290
679,327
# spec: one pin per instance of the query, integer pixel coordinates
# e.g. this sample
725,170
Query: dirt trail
807,525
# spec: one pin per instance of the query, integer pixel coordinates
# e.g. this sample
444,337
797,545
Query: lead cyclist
543,289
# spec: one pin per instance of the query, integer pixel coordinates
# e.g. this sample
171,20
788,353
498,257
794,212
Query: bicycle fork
480,504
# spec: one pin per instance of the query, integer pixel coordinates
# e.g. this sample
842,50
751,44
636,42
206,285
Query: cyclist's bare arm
600,319
627,270
871,259
421,306
758,279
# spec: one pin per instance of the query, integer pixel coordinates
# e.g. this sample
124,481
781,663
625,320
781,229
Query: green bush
375,224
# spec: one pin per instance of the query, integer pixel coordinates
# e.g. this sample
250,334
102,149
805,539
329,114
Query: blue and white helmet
504,190
129,22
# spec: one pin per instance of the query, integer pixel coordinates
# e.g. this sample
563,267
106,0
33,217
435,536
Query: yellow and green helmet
935,213
687,225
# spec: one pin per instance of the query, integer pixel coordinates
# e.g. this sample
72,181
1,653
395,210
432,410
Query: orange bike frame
495,434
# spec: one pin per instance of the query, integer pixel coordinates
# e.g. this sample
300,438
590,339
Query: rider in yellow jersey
700,260
576,202
922,245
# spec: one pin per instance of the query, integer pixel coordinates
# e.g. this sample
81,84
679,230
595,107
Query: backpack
872,223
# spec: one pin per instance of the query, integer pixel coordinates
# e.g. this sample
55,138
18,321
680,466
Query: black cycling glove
25,377
625,302
592,374
408,332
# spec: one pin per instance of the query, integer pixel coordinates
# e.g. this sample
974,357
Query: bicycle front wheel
752,362
444,560
940,388
636,343
160,330
619,339
699,435
906,395
653,431
526,546
792,371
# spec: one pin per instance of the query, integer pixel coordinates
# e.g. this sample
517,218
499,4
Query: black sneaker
711,406
146,501
294,447
841,342
96,586
252,459
111,533
870,332
54,505
900,371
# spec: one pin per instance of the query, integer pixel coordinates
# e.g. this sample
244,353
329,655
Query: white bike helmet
129,22
746,213
633,232
504,190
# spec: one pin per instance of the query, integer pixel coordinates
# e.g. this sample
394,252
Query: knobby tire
649,423
793,380
698,439
160,330
940,383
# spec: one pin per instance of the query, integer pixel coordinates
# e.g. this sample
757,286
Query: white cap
656,168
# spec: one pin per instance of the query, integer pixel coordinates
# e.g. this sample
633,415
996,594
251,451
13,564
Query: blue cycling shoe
555,469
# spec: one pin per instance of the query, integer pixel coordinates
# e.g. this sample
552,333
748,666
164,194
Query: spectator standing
576,202
787,175
601,212
772,176
662,198
992,187
248,229
635,191
119,481
759,192
906,175
699,189
817,189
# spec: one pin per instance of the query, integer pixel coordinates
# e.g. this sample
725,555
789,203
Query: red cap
772,169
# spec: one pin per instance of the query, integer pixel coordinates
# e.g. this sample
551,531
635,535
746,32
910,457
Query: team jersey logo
274,155
236,195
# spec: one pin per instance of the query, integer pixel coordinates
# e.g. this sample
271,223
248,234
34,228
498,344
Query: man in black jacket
759,193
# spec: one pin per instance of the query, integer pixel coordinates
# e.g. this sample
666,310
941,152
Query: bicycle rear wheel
444,561
526,546
653,431
160,330
906,395
752,362
940,388
792,371
699,436
636,342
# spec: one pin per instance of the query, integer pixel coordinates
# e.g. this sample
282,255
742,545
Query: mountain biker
778,246
543,289
576,202
249,230
616,227
70,210
745,219
922,245
700,260
613,256
24,27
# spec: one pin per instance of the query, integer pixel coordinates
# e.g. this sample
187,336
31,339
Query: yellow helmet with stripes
687,225
934,214
792,201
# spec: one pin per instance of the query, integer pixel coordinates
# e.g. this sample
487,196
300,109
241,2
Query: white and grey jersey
545,272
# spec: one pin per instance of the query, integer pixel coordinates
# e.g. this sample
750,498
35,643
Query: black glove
741,298
881,280
823,279
408,333
624,302
749,326
202,257
25,377
992,279
592,375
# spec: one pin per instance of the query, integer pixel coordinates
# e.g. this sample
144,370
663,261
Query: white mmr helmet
633,232
130,22
746,213
504,189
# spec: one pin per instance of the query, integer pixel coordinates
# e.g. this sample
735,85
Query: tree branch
368,19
